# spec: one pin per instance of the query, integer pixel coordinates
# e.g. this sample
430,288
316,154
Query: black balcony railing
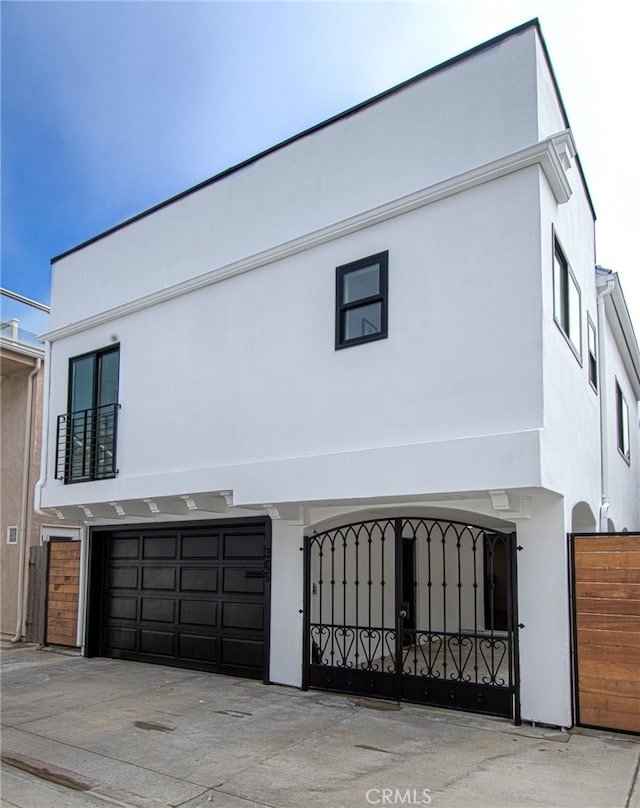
86,444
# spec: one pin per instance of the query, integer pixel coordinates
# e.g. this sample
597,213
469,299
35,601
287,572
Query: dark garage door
189,595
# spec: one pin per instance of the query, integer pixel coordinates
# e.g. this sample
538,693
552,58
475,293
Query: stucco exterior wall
571,406
14,413
550,118
571,403
474,405
412,139
624,477
247,373
286,604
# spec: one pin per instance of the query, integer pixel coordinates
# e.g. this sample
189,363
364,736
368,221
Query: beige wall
15,369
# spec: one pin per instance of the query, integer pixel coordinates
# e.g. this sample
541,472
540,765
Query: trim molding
534,23
550,154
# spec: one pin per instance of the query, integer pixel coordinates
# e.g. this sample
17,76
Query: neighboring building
24,557
384,341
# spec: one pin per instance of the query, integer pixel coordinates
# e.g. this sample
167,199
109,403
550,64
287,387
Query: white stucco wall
237,386
545,659
414,138
245,372
571,406
624,477
550,117
285,666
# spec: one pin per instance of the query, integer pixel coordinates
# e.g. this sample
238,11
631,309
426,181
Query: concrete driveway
99,732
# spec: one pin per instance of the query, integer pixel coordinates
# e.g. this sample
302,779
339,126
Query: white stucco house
329,417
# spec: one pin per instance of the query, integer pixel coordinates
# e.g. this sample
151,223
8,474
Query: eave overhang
620,321
553,156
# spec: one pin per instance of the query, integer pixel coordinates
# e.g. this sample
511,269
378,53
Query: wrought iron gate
422,610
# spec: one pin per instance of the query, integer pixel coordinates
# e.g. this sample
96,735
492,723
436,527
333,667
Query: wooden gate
36,598
606,630
63,588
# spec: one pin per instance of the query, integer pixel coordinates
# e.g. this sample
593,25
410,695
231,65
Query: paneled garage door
191,595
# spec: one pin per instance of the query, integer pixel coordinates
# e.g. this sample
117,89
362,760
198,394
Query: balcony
86,444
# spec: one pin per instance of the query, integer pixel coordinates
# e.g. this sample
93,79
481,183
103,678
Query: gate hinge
521,625
519,547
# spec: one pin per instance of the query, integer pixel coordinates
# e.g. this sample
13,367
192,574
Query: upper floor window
622,421
87,431
361,300
566,300
593,354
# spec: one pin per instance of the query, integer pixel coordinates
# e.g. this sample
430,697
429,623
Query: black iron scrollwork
415,601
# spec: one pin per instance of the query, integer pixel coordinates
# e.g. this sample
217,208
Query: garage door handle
254,574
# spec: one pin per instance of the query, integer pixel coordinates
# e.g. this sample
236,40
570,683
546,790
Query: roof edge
624,317
563,110
22,348
490,43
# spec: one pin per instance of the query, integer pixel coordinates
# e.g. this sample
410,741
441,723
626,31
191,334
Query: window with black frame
622,419
566,300
593,353
361,300
87,432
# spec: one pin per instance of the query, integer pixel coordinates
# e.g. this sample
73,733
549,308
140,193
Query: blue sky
110,107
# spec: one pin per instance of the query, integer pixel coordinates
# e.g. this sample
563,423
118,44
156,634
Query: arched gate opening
415,609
